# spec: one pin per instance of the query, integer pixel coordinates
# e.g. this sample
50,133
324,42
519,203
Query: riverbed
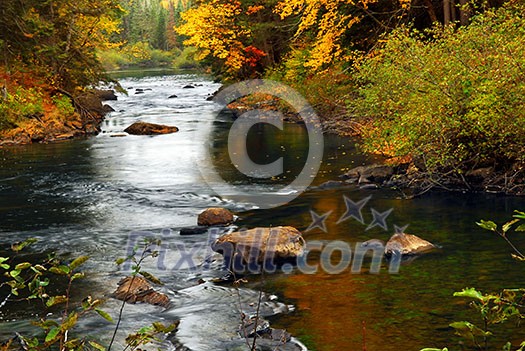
102,195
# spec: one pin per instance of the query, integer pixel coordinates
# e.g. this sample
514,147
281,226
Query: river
98,196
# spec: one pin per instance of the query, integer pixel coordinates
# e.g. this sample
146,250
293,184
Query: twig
364,334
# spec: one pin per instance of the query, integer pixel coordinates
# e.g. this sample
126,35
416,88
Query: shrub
454,97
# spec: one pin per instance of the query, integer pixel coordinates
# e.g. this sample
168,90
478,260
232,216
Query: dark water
89,196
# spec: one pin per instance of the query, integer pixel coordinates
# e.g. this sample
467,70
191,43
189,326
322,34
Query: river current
100,196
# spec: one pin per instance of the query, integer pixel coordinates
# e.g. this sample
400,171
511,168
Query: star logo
353,209
318,221
400,230
379,219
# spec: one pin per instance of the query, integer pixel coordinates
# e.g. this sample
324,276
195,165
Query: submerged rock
215,216
137,289
193,230
261,245
145,128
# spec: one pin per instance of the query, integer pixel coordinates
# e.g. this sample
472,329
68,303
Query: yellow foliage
329,20
215,29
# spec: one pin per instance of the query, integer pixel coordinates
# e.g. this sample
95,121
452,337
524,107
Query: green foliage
64,105
496,308
36,282
453,97
19,105
185,59
140,54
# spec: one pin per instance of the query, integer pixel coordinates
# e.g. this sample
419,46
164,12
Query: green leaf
469,292
77,276
507,346
70,321
519,214
120,261
468,329
77,262
431,349
5,266
19,246
508,225
24,265
104,315
520,228
55,300
3,259
151,277
57,270
488,225
52,334
15,273
97,346
517,258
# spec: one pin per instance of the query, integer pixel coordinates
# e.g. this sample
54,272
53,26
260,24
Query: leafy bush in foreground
451,96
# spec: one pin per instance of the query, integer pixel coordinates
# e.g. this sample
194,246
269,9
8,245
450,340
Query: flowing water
101,195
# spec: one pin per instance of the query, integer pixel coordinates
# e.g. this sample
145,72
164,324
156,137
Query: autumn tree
241,38
58,37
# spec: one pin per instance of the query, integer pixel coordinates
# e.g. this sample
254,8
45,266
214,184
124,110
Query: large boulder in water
407,244
145,128
215,216
261,245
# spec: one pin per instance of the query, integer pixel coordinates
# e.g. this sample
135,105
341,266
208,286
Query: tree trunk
431,12
446,12
453,15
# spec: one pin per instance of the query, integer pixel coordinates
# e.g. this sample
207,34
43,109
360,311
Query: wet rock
189,86
138,92
91,102
145,128
407,244
375,173
172,96
261,245
193,230
108,108
215,216
137,289
252,326
106,95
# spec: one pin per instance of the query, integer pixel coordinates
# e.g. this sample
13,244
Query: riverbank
409,174
54,116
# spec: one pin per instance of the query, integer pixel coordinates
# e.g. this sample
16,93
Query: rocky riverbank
54,124
412,176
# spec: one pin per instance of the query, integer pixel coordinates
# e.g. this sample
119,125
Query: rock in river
144,128
215,216
137,289
261,245
407,244
372,173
